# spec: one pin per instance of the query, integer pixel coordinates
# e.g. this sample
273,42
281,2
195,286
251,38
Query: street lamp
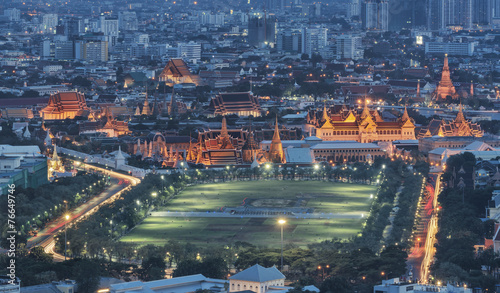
162,177
281,222
65,241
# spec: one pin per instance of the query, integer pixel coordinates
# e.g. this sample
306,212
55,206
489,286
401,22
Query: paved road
45,237
250,214
56,225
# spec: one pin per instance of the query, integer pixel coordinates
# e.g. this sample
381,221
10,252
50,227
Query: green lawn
324,197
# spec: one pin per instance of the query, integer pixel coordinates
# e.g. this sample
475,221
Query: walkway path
250,214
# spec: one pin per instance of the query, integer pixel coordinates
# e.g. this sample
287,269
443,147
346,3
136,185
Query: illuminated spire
366,110
460,115
471,88
276,154
325,113
418,89
405,116
276,135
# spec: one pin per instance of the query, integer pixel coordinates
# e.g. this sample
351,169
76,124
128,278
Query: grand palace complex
333,133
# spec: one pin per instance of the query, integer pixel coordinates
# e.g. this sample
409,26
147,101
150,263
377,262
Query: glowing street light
281,222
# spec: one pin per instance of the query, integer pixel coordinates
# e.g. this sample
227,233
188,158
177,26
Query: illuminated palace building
238,146
65,105
342,124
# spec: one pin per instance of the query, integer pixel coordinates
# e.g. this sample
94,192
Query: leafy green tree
335,284
87,276
153,268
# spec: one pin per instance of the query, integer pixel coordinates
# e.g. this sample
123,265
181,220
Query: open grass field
323,197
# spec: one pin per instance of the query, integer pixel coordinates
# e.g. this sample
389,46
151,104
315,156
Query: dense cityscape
264,146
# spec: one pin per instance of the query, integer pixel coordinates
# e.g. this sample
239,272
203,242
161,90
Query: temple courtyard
248,211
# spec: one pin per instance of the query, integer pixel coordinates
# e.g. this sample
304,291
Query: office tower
73,27
289,40
63,50
91,51
314,40
261,29
348,47
354,8
375,15
127,21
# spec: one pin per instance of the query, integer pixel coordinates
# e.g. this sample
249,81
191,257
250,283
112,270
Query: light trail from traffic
45,238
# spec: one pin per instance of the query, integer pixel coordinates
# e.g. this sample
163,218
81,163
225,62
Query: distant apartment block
91,51
349,47
375,15
464,49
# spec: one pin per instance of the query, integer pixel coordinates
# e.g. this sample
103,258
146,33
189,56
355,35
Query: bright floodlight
67,217
281,221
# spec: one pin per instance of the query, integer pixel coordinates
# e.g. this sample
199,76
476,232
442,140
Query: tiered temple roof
241,104
458,127
65,105
176,71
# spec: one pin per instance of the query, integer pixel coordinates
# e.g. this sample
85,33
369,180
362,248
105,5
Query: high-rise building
127,21
495,9
314,40
109,26
349,47
443,13
261,29
406,14
435,15
64,50
92,51
49,23
73,27
289,40
482,12
354,8
375,15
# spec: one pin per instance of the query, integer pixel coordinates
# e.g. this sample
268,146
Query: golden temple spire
366,111
325,113
405,116
145,108
276,135
276,154
460,115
